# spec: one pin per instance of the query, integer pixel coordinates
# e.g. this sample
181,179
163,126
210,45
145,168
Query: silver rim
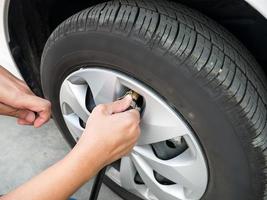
186,171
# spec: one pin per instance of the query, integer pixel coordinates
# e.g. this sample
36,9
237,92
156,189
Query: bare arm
110,133
59,181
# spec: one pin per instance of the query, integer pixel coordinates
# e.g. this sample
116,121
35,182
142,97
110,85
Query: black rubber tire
195,64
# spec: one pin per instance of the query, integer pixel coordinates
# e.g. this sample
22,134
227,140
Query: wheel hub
167,162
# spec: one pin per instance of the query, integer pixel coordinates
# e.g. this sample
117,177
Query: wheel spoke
159,122
127,174
162,192
183,169
74,96
73,124
155,133
104,86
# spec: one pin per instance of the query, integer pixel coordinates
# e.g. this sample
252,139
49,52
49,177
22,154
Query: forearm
110,133
59,181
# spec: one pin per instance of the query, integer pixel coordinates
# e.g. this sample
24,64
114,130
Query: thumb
120,105
26,115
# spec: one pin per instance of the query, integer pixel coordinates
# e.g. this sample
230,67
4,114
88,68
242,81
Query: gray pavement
25,152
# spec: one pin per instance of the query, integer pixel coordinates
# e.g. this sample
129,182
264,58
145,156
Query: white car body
7,60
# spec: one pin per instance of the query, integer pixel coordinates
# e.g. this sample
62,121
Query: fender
259,5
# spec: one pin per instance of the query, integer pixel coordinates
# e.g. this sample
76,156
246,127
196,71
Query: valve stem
135,97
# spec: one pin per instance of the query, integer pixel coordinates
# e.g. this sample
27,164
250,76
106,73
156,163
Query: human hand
17,100
111,131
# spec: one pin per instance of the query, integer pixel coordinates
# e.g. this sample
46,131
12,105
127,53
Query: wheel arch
30,23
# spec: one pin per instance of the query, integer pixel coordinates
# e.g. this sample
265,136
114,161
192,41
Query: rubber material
198,66
97,184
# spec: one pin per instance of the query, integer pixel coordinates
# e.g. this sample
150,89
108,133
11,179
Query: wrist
86,162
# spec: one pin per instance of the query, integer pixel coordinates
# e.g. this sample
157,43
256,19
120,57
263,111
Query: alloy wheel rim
187,172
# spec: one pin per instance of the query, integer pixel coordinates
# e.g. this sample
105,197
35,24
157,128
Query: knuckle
48,104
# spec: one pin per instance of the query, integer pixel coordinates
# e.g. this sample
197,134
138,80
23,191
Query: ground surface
25,151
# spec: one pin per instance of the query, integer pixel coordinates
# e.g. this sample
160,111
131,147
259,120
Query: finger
26,115
120,105
40,121
24,122
133,115
134,112
39,105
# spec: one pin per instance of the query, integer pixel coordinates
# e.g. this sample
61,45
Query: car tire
196,65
